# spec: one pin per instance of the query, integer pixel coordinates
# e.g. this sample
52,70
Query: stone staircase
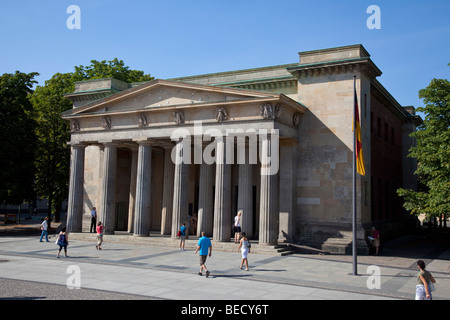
281,249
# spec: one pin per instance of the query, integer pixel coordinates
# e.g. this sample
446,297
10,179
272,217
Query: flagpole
354,247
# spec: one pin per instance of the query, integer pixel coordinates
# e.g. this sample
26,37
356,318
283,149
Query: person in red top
376,240
100,229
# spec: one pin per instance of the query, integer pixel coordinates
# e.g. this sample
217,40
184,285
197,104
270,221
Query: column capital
167,145
144,141
78,145
109,143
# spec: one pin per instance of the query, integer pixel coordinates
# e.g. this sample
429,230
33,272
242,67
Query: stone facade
149,156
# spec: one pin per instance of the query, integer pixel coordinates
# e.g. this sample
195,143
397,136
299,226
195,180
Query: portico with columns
274,142
150,157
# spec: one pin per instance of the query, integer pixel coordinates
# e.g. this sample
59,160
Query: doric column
205,200
245,195
132,198
167,201
222,200
143,186
288,189
180,188
75,200
108,192
268,212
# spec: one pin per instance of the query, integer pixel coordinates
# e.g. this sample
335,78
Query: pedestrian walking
100,229
44,228
205,247
93,220
62,241
425,283
237,226
182,233
244,246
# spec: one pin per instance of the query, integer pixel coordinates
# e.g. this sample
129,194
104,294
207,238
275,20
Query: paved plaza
155,272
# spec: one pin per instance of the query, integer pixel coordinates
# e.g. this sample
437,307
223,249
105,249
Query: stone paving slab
168,273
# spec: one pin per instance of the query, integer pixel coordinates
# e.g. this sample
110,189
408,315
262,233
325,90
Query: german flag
357,136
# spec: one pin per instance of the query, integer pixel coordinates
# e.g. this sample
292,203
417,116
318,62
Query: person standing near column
237,227
182,236
376,240
93,219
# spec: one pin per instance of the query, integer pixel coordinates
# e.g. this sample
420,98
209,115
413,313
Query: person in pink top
376,240
100,229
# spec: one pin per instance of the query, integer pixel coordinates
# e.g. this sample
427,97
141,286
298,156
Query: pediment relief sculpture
179,116
270,113
142,121
74,126
106,122
221,114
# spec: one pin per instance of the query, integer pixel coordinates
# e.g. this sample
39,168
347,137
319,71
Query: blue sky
175,38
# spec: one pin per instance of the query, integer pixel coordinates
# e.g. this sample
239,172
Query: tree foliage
109,69
432,153
53,155
53,152
17,139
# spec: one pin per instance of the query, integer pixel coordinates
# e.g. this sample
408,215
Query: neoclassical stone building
274,142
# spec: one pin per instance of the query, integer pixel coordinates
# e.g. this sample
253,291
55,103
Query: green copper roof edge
299,65
103,90
256,80
235,71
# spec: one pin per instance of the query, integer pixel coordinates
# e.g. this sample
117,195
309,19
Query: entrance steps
158,240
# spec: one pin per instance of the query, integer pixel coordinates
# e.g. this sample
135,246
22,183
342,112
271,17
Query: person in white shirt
237,227
44,227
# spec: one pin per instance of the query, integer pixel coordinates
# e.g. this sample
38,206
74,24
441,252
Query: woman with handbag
244,246
425,283
62,242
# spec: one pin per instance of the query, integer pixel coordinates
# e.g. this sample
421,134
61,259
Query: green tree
53,153
110,69
17,139
432,153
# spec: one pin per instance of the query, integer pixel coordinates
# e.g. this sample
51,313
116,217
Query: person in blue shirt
182,236
205,247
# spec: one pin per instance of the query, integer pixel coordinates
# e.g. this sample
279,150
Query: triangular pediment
163,94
